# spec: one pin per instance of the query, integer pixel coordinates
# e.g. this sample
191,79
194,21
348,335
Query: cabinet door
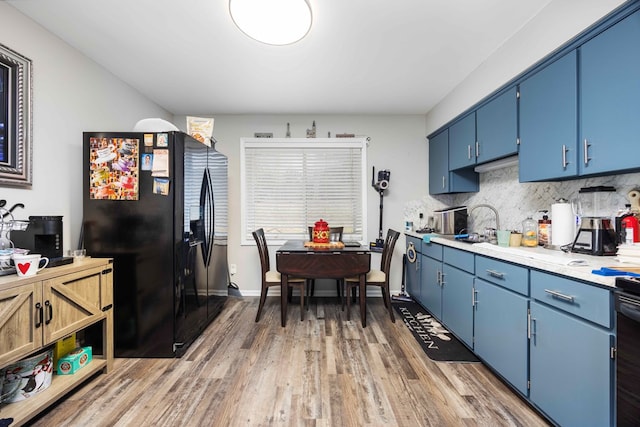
501,332
610,99
441,180
431,291
549,122
20,322
457,303
72,302
571,368
412,274
462,143
497,127
439,163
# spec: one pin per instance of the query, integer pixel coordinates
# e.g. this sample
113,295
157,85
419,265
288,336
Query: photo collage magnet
114,169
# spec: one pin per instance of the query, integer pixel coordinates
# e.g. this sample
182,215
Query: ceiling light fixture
276,22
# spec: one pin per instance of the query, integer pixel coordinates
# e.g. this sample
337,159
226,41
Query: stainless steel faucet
483,205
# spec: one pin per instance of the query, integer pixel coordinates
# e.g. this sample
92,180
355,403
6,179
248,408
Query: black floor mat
436,341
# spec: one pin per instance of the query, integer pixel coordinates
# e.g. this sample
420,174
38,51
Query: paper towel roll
563,224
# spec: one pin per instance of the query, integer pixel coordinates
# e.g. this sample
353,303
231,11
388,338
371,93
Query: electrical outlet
232,269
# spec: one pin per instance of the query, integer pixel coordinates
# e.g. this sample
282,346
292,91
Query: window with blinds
289,184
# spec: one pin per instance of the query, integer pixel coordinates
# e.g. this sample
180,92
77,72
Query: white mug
29,265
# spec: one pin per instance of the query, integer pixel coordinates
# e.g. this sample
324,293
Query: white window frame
359,143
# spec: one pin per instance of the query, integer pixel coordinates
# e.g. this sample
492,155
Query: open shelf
26,409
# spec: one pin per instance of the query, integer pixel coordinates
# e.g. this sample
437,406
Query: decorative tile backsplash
514,201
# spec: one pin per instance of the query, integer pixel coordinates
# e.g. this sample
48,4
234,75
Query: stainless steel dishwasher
627,303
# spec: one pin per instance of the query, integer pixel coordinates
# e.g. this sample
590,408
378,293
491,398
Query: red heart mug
29,265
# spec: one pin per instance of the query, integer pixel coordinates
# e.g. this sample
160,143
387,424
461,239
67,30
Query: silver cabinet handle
564,156
497,274
477,149
586,146
469,151
474,293
557,294
443,181
532,329
438,277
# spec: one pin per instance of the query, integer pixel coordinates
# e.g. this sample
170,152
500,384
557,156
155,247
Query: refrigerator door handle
209,236
206,206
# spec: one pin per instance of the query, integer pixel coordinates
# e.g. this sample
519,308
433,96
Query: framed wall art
15,119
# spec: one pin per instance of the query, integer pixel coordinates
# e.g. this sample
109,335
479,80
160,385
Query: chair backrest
335,234
387,252
263,250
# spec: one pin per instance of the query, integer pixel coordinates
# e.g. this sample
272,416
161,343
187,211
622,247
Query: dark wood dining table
297,260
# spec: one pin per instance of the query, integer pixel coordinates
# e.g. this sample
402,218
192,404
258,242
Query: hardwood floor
323,371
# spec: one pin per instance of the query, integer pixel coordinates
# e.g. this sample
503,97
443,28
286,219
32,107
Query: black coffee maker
43,236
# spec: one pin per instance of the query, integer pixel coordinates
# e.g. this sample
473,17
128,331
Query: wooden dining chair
272,277
335,235
377,277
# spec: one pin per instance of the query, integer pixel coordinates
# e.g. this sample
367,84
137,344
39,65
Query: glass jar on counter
529,232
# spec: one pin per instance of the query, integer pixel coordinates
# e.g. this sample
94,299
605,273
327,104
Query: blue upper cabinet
610,99
548,122
441,180
462,142
439,163
497,127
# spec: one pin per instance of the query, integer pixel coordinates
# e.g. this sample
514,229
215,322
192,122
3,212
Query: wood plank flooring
323,371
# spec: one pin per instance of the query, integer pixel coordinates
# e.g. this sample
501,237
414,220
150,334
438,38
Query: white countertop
577,266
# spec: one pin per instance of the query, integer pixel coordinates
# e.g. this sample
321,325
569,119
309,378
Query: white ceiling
360,57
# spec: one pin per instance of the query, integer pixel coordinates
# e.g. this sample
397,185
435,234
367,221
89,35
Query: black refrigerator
157,204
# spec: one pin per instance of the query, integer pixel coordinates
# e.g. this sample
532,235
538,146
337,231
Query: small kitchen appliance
451,220
596,235
43,236
380,186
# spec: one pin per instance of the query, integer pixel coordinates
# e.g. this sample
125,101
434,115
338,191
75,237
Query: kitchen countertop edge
579,272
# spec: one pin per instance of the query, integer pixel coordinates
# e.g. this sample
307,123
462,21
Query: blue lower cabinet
571,368
501,332
457,299
431,288
412,274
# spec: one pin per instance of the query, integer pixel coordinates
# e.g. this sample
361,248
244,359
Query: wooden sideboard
37,311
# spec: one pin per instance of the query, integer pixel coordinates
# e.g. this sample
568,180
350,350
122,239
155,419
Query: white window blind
289,184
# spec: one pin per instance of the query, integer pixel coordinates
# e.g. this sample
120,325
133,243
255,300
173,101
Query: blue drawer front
417,242
504,274
432,250
460,259
578,298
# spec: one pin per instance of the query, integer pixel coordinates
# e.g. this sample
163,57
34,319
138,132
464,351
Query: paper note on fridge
160,165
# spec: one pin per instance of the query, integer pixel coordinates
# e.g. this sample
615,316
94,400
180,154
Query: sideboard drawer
416,241
581,299
504,274
460,259
432,250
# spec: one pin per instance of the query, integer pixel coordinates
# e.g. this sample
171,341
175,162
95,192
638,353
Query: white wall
397,143
558,22
71,94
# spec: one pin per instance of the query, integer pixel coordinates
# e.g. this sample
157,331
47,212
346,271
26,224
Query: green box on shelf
72,362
